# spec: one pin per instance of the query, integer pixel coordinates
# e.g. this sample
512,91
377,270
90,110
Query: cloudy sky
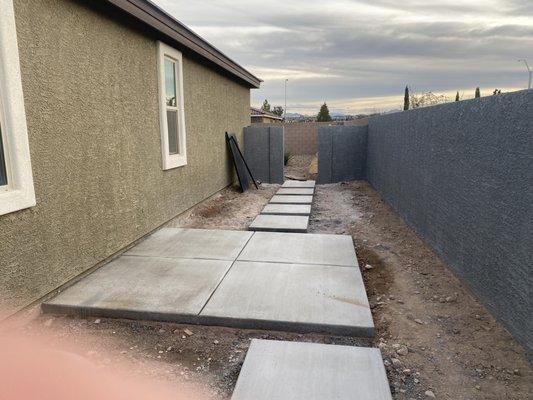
358,55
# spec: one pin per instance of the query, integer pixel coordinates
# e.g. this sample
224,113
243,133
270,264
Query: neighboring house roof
169,29
256,112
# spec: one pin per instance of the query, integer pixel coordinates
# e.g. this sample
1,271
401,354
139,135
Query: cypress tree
406,99
323,114
457,97
478,92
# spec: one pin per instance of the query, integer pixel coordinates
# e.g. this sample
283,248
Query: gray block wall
341,153
263,151
461,174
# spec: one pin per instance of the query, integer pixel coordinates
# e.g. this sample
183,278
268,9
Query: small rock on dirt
188,332
419,321
429,394
402,350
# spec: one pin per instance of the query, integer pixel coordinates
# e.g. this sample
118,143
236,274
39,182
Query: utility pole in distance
285,109
528,71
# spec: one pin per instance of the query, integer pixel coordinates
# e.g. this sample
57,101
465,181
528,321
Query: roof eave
153,16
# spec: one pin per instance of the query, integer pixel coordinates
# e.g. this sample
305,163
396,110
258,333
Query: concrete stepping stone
150,288
291,297
298,184
281,370
287,209
296,191
280,223
294,199
300,249
193,243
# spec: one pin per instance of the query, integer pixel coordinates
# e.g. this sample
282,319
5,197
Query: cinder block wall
461,174
341,153
302,137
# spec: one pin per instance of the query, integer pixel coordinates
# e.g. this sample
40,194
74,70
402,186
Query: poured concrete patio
293,282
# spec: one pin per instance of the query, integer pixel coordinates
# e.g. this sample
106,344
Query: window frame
171,161
19,192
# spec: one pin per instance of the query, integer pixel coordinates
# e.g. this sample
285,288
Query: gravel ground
436,339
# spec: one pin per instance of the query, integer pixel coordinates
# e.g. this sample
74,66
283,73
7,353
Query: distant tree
278,110
457,97
406,99
265,106
323,114
427,99
497,91
478,93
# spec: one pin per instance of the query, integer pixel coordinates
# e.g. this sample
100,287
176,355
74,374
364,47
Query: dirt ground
436,339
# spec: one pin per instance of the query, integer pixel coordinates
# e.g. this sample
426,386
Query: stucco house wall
91,97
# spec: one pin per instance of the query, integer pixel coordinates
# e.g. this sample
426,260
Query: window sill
175,161
15,200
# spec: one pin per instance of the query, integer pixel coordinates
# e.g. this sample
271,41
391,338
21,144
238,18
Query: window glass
170,82
172,124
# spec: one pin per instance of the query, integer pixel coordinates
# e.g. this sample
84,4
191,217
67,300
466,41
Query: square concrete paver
280,223
193,243
153,288
287,209
296,191
280,370
297,248
288,199
291,297
298,184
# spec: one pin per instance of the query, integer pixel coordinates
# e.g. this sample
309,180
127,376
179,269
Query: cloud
347,51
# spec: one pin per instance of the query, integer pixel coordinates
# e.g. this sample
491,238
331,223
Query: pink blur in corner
29,370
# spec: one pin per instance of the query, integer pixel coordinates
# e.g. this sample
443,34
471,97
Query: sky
358,56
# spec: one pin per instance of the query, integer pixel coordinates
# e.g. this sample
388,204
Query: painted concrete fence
461,175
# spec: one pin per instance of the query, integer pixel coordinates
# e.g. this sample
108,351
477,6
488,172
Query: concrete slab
287,209
280,223
283,199
298,184
291,297
280,370
296,248
162,289
193,243
296,191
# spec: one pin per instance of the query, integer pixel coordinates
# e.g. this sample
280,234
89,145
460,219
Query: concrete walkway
278,281
280,370
288,210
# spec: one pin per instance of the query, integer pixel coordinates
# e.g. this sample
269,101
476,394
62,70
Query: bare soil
433,334
299,167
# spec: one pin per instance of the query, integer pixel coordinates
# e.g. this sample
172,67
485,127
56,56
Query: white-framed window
171,107
16,181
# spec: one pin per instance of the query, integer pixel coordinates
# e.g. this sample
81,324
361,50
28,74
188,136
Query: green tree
265,106
406,99
323,114
278,110
478,93
457,97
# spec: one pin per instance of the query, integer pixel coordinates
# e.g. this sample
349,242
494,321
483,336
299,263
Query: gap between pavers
286,209
296,191
298,184
280,223
282,370
288,199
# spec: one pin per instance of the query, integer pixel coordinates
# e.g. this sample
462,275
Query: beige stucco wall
90,89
